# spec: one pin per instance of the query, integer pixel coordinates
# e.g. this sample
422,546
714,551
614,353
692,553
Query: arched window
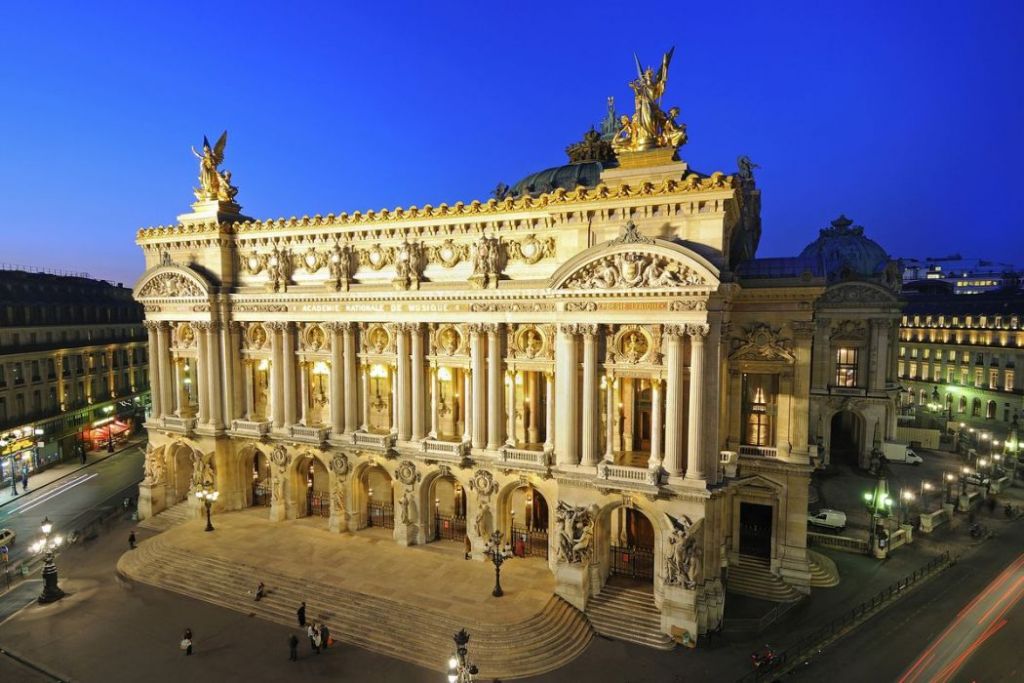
990,410
976,408
963,404
921,398
949,401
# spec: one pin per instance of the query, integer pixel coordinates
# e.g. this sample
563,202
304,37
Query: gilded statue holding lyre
650,127
214,184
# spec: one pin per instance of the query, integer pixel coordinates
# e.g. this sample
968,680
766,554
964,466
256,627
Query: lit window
1008,386
949,375
924,372
846,367
963,376
978,372
913,371
993,378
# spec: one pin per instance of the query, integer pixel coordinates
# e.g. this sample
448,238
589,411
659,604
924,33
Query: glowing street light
208,495
51,590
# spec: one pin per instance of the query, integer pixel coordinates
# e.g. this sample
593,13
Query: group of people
318,633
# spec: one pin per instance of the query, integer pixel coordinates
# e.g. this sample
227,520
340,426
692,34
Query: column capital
278,325
569,328
803,329
656,382
152,325
675,331
588,330
492,329
336,326
698,330
476,329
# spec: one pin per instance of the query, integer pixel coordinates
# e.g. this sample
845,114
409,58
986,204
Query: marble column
337,388
467,406
288,360
365,401
154,372
213,378
589,410
568,395
495,389
229,353
510,403
611,417
277,374
532,431
351,369
183,407
673,403
695,460
549,411
654,461
434,397
394,400
418,393
163,363
248,371
304,392
477,410
199,377
402,398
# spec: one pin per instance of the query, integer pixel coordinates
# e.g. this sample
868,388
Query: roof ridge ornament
650,127
214,184
632,235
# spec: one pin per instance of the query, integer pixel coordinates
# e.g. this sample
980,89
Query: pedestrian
325,635
293,648
468,547
24,479
302,614
81,453
314,637
131,540
186,642
260,591
4,556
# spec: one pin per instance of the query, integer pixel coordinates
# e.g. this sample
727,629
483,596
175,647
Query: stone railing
524,458
626,474
182,425
759,451
436,449
379,442
308,434
255,428
845,543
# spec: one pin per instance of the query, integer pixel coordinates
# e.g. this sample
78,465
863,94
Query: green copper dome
843,252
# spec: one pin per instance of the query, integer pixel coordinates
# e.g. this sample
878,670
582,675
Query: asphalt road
68,501
949,629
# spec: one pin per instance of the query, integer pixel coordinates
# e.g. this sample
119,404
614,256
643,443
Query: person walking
186,642
325,636
302,614
314,637
24,479
293,648
131,540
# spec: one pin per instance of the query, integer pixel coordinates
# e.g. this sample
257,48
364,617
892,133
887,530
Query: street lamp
51,591
906,498
950,478
208,495
459,668
498,553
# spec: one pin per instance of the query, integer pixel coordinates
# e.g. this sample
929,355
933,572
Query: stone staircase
824,573
752,577
171,517
416,634
628,614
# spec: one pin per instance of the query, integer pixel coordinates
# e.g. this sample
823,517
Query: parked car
7,537
976,479
829,519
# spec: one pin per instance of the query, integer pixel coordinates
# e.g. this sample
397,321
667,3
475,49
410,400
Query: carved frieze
531,249
483,484
448,253
448,341
488,262
762,343
407,473
377,340
530,342
633,270
170,285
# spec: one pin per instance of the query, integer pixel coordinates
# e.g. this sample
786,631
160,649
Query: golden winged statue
650,127
214,184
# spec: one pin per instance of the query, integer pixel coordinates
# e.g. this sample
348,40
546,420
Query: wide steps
169,518
630,615
752,577
537,645
824,573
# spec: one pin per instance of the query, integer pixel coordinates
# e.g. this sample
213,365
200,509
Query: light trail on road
51,494
977,622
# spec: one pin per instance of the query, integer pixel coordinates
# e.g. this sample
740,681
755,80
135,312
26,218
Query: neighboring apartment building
964,355
965,276
73,367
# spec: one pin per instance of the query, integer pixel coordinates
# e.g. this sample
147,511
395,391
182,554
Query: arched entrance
756,530
378,497
179,465
845,437
627,540
311,488
528,510
259,492
448,510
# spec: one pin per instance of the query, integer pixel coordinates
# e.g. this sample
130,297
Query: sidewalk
50,475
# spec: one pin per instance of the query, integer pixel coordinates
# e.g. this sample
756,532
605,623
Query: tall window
846,367
759,396
1009,380
993,378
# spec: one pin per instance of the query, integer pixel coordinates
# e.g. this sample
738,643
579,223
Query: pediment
171,282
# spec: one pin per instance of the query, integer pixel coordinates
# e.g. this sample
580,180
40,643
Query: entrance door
756,530
632,549
844,438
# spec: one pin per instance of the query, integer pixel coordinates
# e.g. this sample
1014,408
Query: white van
829,519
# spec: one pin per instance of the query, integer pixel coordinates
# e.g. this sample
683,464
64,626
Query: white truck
900,452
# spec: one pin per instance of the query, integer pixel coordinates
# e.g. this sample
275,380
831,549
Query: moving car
7,537
976,479
829,519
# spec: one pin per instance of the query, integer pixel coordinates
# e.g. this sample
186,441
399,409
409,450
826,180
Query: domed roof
567,177
843,251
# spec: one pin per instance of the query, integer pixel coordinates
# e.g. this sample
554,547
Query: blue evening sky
906,116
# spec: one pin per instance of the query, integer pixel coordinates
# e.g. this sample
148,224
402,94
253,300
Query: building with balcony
959,356
73,367
595,364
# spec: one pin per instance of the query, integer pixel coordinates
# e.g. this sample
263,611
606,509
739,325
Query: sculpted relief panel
633,270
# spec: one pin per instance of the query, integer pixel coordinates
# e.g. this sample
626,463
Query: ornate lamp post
950,478
879,504
497,553
51,591
208,495
459,668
